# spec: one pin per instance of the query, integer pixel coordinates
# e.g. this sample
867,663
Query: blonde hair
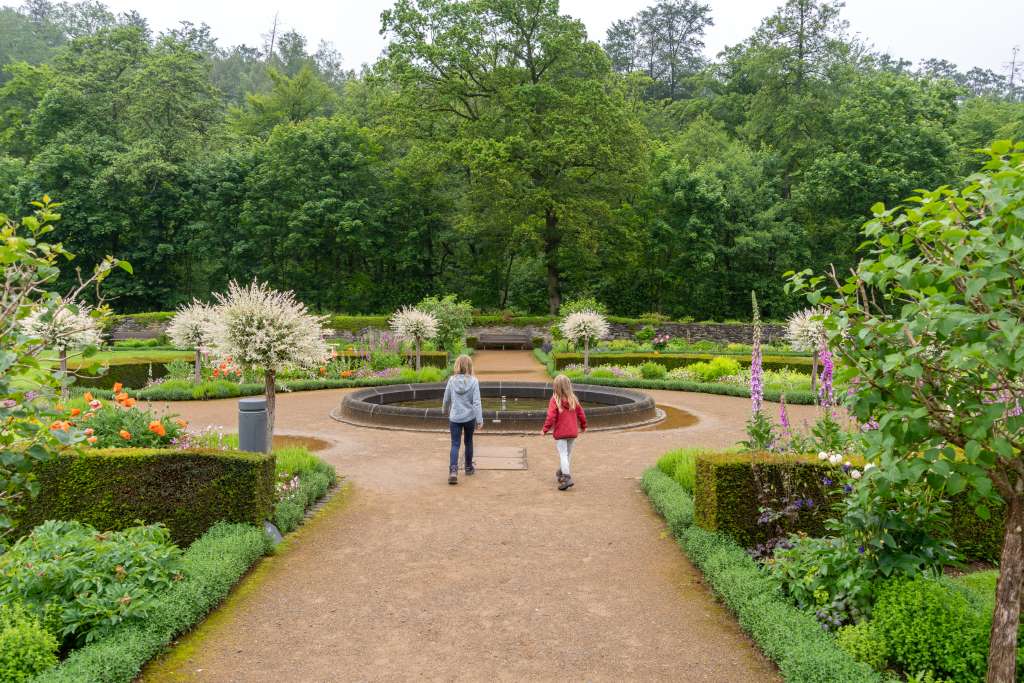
562,387
463,365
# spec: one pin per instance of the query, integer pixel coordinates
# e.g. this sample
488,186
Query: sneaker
453,478
470,470
558,475
566,482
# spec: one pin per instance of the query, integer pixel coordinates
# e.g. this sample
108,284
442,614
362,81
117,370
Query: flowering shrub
261,328
81,583
584,326
660,341
65,327
190,329
415,325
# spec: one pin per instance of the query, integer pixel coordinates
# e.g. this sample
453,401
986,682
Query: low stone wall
725,333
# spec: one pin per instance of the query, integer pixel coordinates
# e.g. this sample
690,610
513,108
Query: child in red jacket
566,415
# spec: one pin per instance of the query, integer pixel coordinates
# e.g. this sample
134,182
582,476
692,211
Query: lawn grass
123,357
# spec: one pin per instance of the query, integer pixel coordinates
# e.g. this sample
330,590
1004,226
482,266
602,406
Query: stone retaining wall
718,332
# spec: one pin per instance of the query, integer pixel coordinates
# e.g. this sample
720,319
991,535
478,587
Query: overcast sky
977,33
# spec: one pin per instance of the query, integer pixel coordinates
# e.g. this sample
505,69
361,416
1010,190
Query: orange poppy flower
323,371
60,425
122,397
157,427
216,372
87,396
117,387
129,402
91,439
125,434
89,431
181,423
75,412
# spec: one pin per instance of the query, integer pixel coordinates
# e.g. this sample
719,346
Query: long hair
463,365
562,387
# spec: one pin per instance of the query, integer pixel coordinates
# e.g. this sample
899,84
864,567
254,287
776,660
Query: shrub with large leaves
81,582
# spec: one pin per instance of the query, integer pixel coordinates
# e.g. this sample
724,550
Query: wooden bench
504,341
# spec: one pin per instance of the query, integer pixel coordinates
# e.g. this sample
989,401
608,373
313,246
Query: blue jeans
457,428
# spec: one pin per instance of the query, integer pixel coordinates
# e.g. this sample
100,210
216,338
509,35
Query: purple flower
808,503
8,403
783,416
847,488
826,390
756,367
826,481
846,467
860,549
31,395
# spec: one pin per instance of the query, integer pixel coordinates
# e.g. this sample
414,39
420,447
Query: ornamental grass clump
414,325
584,326
190,329
260,328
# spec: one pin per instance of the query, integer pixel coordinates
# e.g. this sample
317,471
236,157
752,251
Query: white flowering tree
267,330
63,327
805,331
584,326
414,325
190,328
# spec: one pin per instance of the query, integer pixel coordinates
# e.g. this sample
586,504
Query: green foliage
82,583
787,636
314,478
188,491
453,317
671,501
652,370
681,465
715,369
110,421
732,488
928,627
863,642
26,648
680,360
211,566
585,303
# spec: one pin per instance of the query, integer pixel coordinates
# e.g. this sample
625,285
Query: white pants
564,448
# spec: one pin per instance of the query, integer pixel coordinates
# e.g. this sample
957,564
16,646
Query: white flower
835,458
823,456
65,326
263,328
413,324
868,467
855,474
190,327
804,332
584,324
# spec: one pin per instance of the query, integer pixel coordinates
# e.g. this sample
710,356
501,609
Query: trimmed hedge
189,491
437,359
212,565
671,361
792,639
730,487
976,538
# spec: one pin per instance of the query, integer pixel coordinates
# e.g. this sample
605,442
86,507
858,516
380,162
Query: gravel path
502,577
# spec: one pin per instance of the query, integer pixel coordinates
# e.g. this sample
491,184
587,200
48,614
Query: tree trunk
197,369
270,392
65,390
551,242
814,375
586,355
1002,648
417,355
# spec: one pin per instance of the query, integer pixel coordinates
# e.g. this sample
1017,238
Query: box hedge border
792,639
728,491
189,491
213,564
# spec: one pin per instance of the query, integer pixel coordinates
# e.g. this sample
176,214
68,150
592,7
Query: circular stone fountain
509,407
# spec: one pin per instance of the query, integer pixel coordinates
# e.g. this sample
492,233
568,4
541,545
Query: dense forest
495,151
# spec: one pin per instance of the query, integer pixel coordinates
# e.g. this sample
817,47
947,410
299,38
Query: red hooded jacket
567,423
